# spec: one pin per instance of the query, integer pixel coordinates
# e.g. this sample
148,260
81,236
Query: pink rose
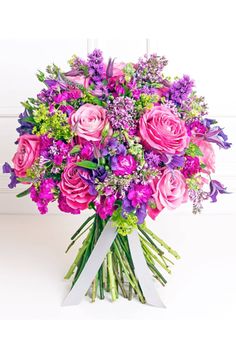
161,130
88,122
208,157
81,80
27,153
74,188
169,191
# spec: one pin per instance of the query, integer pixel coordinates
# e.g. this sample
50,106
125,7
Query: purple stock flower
6,168
139,194
87,151
215,188
180,90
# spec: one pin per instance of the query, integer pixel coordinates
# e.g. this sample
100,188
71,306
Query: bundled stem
117,274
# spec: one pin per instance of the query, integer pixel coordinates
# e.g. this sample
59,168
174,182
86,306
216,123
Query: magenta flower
191,166
106,206
123,165
139,194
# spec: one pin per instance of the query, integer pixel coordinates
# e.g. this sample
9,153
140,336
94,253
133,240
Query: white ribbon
95,260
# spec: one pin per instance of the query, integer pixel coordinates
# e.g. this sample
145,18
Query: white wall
20,59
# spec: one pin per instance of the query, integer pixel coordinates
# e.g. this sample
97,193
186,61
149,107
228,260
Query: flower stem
111,276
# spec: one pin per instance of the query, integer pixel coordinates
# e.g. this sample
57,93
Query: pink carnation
163,131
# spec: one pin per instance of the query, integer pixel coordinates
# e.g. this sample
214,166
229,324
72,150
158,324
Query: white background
198,39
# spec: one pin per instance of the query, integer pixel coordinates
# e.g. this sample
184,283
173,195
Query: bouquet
124,141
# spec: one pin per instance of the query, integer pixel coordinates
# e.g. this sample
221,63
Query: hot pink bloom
75,188
169,191
106,206
88,122
27,153
208,157
161,130
123,165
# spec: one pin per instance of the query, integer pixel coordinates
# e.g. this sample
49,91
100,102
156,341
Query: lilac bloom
215,188
6,168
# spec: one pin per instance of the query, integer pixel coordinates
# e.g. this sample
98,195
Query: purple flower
215,188
114,147
191,166
121,113
25,127
196,128
180,90
100,173
149,68
217,136
123,165
152,159
6,168
139,194
126,206
176,161
141,213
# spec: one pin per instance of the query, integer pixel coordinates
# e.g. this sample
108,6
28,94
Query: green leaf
25,179
87,164
29,119
193,150
75,149
40,75
22,194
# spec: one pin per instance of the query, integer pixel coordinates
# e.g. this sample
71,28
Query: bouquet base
119,265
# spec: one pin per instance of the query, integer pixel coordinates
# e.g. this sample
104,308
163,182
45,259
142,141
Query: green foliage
129,71
87,164
145,102
41,76
24,193
124,226
75,150
55,126
193,150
